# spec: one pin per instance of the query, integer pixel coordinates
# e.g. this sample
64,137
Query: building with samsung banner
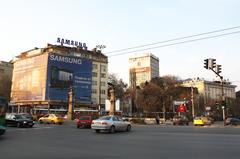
42,78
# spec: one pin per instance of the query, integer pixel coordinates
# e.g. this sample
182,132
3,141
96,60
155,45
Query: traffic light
219,69
211,63
206,63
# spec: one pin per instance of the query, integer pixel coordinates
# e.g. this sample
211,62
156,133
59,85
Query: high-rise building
42,78
143,68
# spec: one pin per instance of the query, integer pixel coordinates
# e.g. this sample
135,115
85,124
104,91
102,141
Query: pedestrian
157,119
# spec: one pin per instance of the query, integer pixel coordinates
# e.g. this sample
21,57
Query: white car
111,124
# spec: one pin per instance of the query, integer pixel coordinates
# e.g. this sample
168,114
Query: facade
6,69
212,91
42,78
143,68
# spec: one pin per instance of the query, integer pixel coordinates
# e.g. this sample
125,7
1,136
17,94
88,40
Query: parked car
232,121
51,119
180,120
203,120
84,121
111,124
18,120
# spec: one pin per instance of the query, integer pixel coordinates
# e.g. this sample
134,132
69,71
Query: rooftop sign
72,43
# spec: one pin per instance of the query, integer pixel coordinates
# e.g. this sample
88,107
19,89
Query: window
95,66
94,74
94,91
103,91
94,83
103,75
103,83
103,68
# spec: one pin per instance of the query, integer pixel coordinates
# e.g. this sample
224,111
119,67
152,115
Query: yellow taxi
51,118
202,121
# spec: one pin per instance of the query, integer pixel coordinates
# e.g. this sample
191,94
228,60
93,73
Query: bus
3,108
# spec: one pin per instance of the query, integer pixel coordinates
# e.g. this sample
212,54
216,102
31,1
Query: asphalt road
143,142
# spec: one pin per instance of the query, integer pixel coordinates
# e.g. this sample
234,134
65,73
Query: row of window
103,67
94,91
95,74
94,83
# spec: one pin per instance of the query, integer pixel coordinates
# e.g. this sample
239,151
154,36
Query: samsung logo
65,59
71,42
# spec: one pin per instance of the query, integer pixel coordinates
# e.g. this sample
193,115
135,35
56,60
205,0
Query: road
143,142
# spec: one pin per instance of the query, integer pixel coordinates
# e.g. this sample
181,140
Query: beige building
143,68
212,91
42,78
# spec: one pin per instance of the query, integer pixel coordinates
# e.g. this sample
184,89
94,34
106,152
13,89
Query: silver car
111,124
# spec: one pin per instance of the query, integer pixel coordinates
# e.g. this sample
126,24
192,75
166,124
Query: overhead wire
176,43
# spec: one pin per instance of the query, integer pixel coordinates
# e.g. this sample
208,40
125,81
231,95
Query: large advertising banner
29,79
65,72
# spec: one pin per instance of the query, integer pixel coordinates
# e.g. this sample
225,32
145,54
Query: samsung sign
71,42
65,59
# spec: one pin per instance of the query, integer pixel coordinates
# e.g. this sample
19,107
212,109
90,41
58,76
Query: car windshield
84,118
105,118
20,117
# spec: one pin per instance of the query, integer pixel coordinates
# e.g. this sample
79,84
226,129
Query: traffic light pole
211,64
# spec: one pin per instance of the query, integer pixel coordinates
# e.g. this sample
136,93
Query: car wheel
187,123
52,122
97,131
128,128
112,129
40,121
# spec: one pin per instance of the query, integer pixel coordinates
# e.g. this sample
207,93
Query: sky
25,24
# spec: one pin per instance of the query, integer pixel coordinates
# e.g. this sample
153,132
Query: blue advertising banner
65,72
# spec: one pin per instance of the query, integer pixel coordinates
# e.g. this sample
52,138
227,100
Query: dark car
84,122
27,115
18,120
180,120
232,121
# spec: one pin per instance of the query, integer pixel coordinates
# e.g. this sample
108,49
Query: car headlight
24,122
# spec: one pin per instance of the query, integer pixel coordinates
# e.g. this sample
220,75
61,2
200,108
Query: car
110,123
84,121
18,120
232,121
51,119
202,120
27,115
180,120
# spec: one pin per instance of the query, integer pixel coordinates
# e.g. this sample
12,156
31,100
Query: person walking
157,119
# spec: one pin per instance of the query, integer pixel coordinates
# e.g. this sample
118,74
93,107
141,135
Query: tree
119,85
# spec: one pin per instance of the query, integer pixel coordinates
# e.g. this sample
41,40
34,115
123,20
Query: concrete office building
143,68
211,91
42,78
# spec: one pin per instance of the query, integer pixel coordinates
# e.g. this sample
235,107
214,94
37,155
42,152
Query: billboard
65,72
29,79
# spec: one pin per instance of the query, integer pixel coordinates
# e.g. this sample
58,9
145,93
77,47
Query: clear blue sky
25,24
